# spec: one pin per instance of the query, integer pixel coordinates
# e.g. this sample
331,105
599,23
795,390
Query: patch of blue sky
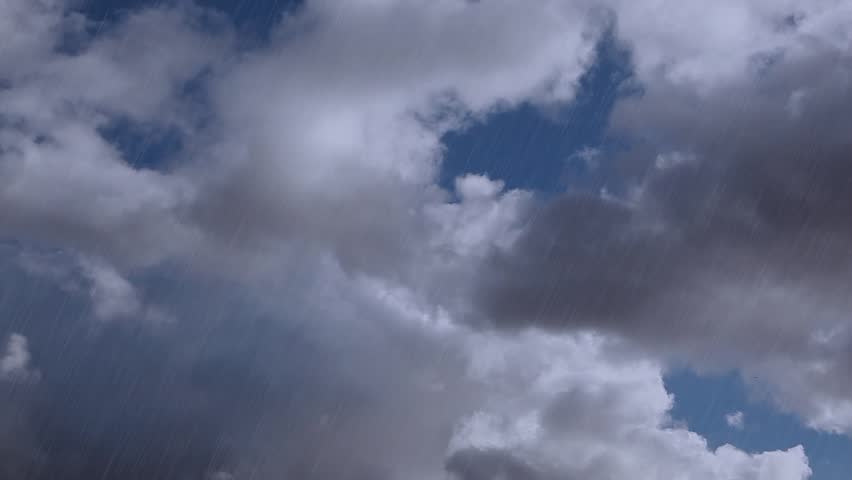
548,151
143,146
251,17
704,401
153,146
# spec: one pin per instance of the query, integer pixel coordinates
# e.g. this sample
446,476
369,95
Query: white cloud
583,407
62,183
27,27
114,297
706,45
735,420
15,361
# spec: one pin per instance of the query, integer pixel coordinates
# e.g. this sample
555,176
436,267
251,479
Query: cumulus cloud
730,246
54,104
588,408
323,286
292,173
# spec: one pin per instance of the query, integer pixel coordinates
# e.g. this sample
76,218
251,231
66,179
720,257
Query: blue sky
702,401
253,18
530,148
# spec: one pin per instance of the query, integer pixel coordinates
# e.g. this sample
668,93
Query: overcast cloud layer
290,293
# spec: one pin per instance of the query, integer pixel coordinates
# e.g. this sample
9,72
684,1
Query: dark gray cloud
727,185
476,464
735,240
244,387
118,402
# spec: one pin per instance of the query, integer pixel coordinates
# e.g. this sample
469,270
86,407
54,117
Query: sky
450,240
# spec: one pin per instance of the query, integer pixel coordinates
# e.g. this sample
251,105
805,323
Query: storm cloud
731,235
230,256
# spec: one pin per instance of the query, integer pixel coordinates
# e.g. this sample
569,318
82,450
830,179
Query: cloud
587,407
475,464
18,378
735,420
321,282
701,47
729,247
54,104
345,166
15,361
112,296
315,158
320,380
